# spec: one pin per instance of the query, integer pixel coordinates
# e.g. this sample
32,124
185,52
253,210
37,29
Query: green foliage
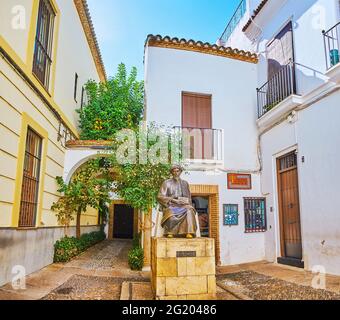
114,105
136,258
136,242
138,183
89,187
69,247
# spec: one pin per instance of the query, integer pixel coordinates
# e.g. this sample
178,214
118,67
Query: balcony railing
332,46
200,143
234,21
278,88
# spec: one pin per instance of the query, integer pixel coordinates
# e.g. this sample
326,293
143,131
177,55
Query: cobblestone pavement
89,288
260,287
267,281
96,274
105,256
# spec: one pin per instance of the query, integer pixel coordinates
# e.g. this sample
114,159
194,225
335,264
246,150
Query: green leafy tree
89,187
114,105
138,182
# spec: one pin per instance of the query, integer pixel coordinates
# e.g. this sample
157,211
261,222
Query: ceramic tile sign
230,214
238,181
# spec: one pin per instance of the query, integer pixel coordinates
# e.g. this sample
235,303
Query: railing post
325,47
258,103
332,46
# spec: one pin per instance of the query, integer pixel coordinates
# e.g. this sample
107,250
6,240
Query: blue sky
123,25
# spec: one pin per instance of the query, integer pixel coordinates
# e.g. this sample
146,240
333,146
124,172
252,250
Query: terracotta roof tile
85,18
199,46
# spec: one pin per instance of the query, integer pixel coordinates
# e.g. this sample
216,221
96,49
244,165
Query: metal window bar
42,59
277,89
31,178
234,21
288,162
332,46
255,215
200,143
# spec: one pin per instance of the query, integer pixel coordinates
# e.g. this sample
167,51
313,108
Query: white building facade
280,122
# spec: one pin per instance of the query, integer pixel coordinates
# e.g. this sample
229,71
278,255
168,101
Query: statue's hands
174,201
178,202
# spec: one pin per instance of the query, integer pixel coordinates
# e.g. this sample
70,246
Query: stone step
234,289
131,290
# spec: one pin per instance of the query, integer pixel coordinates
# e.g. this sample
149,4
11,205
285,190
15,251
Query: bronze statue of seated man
179,216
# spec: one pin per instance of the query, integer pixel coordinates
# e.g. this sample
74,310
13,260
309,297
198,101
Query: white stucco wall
236,246
231,83
309,18
316,135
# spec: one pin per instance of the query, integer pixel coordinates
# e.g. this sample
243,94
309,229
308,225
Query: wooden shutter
197,118
196,111
280,50
30,182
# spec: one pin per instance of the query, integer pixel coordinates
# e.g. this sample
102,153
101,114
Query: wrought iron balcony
332,46
278,88
200,143
234,21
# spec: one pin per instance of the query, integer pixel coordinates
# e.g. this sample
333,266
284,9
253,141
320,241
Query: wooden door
123,221
290,224
197,121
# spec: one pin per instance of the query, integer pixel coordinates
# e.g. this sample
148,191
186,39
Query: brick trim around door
211,191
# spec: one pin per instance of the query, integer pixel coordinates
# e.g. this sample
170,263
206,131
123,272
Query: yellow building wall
20,105
12,14
16,101
73,53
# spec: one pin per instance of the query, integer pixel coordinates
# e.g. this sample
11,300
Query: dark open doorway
201,204
123,222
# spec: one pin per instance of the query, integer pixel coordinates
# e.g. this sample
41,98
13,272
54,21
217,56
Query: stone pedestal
183,269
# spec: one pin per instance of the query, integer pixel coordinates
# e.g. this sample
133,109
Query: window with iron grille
255,215
42,59
30,182
288,162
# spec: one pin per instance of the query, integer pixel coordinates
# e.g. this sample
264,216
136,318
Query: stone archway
79,152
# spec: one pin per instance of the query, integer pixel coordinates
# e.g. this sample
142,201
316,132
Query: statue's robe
178,220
